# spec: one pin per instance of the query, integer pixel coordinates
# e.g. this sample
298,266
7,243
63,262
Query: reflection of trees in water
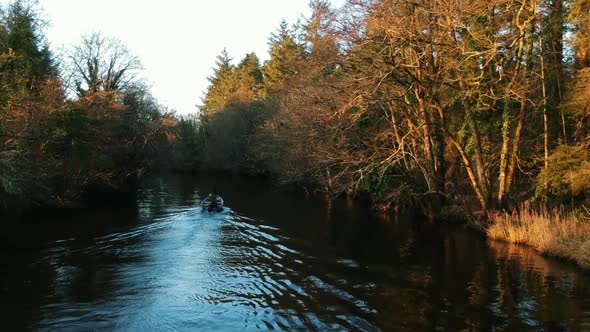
79,261
456,282
355,269
35,283
160,194
87,269
537,290
24,286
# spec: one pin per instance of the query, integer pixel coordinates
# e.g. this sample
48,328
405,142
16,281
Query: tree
231,113
285,54
249,80
222,85
579,105
22,34
29,92
426,100
101,64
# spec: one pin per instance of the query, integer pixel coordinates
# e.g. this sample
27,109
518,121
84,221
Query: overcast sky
177,40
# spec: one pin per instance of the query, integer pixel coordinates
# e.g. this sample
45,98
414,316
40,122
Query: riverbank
78,199
550,232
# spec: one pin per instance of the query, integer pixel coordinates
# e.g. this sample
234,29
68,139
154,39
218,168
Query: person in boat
212,203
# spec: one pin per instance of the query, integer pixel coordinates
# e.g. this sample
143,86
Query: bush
567,175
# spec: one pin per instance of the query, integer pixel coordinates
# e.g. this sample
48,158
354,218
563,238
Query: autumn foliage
480,104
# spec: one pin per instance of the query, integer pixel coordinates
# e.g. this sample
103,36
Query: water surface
273,260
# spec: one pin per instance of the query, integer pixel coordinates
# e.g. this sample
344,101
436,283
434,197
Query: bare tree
100,64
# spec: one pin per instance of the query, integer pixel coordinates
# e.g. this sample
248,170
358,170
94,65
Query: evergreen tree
28,93
319,31
25,37
249,79
26,59
285,56
222,85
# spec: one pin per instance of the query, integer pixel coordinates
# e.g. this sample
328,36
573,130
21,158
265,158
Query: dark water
272,261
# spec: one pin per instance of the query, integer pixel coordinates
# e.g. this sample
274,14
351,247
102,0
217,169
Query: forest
465,110
413,102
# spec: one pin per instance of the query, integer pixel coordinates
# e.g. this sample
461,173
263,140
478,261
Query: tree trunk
545,121
398,137
504,153
515,144
481,197
478,160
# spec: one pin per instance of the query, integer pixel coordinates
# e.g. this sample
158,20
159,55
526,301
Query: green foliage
25,60
10,174
22,33
188,149
568,173
393,186
228,136
222,84
249,80
577,103
53,150
285,54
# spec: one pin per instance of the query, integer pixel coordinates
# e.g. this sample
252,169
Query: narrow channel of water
273,260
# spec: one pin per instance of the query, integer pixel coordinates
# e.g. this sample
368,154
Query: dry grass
552,232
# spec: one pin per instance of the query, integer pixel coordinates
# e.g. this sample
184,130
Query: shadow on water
273,260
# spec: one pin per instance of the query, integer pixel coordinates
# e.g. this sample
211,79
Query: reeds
553,232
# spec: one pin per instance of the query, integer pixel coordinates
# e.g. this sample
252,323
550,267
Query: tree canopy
422,102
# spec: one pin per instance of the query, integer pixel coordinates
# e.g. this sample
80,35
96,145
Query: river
272,260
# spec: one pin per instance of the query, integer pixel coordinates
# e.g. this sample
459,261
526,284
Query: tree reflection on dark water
273,260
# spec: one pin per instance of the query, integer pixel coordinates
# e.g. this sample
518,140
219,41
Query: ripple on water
185,269
349,263
326,287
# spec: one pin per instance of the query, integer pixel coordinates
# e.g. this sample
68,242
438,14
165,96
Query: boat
212,203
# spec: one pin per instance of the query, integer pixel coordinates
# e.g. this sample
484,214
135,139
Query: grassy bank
552,232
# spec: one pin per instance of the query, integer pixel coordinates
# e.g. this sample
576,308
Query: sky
176,40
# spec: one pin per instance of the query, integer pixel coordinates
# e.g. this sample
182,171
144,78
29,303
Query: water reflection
539,290
274,261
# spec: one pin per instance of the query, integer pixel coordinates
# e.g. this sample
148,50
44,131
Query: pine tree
222,84
285,54
319,33
249,79
26,58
